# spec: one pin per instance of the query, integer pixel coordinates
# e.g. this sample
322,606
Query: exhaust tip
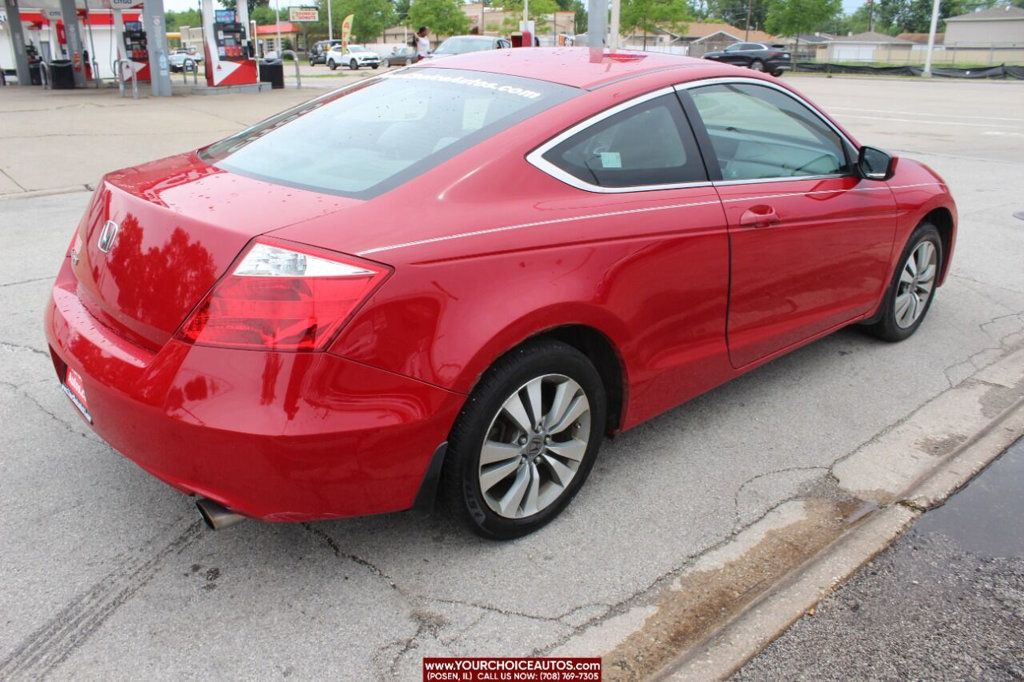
217,516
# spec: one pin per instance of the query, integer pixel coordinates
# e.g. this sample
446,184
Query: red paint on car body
484,251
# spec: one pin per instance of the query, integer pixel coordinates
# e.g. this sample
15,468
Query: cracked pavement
107,572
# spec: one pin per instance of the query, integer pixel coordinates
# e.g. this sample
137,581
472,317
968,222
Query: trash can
35,73
272,71
62,74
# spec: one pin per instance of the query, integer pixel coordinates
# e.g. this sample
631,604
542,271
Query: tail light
283,296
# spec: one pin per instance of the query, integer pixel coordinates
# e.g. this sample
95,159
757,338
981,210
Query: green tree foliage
538,9
370,18
734,12
647,15
252,4
444,17
914,16
264,15
793,17
188,17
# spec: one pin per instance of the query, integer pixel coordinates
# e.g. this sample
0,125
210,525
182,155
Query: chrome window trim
729,80
536,157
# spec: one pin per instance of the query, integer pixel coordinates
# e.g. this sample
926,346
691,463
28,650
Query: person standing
422,43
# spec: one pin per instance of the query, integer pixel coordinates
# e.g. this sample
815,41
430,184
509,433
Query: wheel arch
942,219
598,347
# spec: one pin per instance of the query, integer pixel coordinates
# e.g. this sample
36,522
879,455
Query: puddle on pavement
985,516
726,580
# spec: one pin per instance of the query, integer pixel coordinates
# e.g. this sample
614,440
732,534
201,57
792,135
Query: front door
809,239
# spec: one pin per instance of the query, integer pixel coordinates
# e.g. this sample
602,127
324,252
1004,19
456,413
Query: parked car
402,56
756,56
317,54
353,57
463,44
176,60
593,243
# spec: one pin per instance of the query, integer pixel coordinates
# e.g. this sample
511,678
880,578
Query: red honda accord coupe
453,280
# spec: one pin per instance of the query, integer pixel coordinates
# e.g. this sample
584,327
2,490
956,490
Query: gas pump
136,49
229,53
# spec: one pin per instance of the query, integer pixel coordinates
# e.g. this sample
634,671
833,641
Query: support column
73,32
155,23
17,41
597,23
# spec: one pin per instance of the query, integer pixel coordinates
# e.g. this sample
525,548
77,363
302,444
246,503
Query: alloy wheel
917,282
534,446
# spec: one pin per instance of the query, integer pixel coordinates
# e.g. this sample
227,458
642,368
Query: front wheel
778,73
354,65
526,440
375,66
912,287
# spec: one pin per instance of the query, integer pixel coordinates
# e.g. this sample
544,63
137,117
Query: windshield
373,136
462,45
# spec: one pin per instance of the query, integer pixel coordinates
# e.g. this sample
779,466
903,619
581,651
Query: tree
734,12
538,9
443,17
648,15
263,15
370,17
188,17
793,17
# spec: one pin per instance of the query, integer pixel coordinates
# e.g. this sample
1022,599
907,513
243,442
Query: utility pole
931,39
597,22
613,35
750,5
330,23
279,45
871,15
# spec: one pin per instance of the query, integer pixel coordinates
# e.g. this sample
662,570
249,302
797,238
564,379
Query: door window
649,144
758,132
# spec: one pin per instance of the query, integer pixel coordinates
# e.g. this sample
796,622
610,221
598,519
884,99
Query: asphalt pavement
944,602
107,572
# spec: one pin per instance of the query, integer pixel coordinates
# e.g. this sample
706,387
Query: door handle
759,216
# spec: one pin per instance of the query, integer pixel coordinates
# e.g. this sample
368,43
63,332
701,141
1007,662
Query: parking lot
109,573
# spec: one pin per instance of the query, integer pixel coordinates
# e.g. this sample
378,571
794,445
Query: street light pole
750,3
613,31
278,11
330,22
931,39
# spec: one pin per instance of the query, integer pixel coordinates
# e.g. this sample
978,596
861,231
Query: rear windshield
368,138
463,45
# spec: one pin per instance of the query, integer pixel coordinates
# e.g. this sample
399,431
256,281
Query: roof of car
579,67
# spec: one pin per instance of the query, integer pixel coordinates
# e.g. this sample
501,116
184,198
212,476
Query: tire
900,317
757,65
408,62
354,65
332,64
376,66
778,73
534,471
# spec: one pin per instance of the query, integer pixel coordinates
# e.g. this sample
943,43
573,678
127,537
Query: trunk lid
156,237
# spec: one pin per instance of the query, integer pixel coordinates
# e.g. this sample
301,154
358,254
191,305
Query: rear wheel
526,440
331,63
912,287
757,65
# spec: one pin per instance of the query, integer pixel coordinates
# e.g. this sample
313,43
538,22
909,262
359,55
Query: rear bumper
276,436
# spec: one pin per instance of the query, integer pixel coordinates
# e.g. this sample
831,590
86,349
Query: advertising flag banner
346,31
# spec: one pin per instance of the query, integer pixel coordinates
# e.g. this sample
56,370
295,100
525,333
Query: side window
645,145
758,132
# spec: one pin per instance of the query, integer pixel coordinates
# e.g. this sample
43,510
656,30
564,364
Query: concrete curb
727,649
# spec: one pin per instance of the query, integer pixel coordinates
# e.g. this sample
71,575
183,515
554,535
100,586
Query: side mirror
874,164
